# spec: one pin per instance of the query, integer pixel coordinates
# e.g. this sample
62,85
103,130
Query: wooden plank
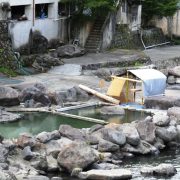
128,79
100,95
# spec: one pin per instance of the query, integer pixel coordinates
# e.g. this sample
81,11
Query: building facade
32,15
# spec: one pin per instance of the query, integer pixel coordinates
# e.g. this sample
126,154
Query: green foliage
159,8
8,71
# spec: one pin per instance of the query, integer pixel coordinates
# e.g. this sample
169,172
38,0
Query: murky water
35,123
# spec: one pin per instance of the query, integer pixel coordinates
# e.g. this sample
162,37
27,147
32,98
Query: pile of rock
174,75
100,148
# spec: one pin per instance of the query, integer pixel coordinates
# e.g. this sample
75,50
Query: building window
41,11
18,13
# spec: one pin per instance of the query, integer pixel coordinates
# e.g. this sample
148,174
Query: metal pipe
33,13
155,45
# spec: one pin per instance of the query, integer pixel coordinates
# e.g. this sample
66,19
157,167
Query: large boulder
146,130
9,117
71,95
76,155
69,51
175,71
71,133
36,92
166,134
106,174
106,146
161,119
8,96
112,110
174,111
160,170
114,136
142,148
131,133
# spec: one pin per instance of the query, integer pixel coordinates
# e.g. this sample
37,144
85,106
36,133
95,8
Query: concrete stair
94,38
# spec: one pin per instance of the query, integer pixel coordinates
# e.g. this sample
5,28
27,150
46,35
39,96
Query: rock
104,166
40,163
43,63
166,134
8,96
27,153
146,131
171,80
175,71
174,111
35,92
3,154
55,146
159,143
142,148
178,133
76,155
7,175
69,51
56,178
106,146
112,110
103,74
9,117
26,140
160,170
160,102
106,174
92,140
161,119
52,164
44,137
131,133
71,95
114,136
37,178
95,128
4,166
71,133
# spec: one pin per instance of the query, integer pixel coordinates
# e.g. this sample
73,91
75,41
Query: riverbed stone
142,148
174,71
7,175
55,146
36,92
95,128
171,80
114,136
146,131
44,137
112,110
131,133
161,119
71,133
160,170
107,146
8,96
37,177
106,174
26,140
159,143
9,117
27,154
76,155
3,153
52,164
166,134
104,166
174,111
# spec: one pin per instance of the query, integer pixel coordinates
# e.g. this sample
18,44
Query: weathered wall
167,24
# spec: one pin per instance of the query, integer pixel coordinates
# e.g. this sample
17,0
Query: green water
35,123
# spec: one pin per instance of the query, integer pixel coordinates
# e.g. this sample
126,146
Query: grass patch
8,72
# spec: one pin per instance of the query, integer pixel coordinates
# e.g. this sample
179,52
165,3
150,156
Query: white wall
49,27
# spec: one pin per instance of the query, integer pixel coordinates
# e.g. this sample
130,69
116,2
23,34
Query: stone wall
126,39
6,54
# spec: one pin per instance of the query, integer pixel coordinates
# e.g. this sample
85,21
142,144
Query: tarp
154,82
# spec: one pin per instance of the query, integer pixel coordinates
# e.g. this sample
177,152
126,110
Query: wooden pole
98,94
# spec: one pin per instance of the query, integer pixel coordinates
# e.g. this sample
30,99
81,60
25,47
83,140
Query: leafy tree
160,8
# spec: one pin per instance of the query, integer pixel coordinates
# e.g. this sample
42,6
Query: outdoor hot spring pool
35,123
